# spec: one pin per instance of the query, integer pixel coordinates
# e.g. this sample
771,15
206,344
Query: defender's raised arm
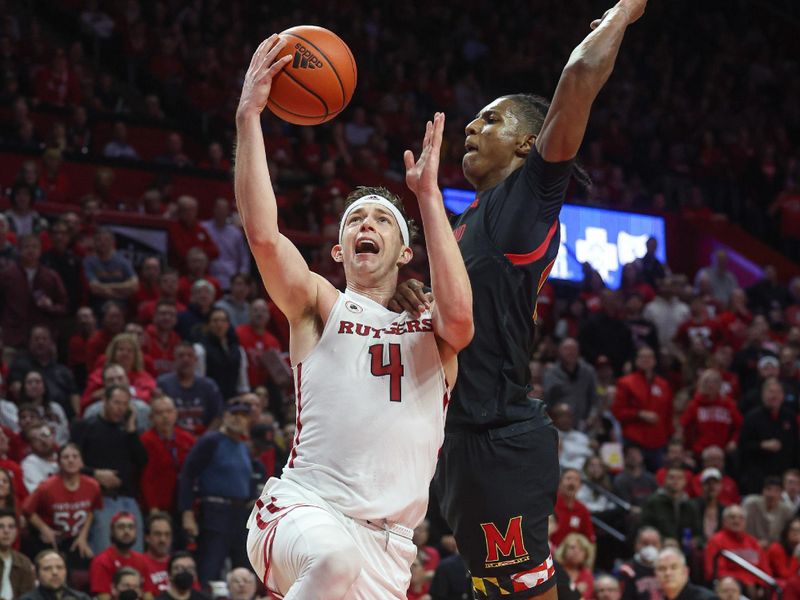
587,70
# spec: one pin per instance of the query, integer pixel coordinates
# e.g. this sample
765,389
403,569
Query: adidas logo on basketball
304,59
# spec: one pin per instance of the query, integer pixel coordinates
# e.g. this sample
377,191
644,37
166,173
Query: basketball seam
283,108
309,90
333,67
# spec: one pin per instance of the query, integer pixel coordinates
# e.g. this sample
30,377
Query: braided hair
531,111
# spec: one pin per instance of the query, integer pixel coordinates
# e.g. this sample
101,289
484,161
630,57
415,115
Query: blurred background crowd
146,393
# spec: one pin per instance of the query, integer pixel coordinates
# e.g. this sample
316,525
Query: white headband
374,199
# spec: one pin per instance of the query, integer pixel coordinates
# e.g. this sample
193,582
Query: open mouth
366,247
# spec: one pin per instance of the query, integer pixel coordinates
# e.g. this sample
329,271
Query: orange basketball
319,81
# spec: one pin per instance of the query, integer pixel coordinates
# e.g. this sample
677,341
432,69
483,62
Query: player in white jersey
371,385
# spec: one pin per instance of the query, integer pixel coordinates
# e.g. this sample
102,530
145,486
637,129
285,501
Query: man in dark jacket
768,439
51,571
20,578
670,511
673,577
638,577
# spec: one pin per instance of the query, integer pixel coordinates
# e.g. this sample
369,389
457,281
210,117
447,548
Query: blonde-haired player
372,386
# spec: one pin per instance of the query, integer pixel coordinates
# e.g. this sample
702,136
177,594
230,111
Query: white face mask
647,555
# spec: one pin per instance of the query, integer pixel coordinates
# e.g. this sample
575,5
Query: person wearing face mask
638,577
182,579
127,585
51,573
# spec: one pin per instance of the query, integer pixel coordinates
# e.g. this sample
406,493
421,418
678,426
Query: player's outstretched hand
422,177
410,296
633,8
258,79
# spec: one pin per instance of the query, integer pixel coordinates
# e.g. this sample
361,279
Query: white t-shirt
6,591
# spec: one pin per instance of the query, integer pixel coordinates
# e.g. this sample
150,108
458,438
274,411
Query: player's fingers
426,140
262,49
408,159
278,65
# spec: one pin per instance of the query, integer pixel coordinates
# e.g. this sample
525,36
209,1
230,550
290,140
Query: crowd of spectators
143,405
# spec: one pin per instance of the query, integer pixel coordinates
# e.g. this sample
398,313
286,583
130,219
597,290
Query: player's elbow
459,332
585,74
262,239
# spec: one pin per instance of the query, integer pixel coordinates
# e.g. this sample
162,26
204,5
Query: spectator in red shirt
32,294
118,554
167,290
149,277
643,407
86,325
57,84
196,269
257,342
187,232
123,351
158,544
112,323
54,181
699,329
161,338
571,514
733,323
713,457
782,555
167,446
710,418
733,537
61,509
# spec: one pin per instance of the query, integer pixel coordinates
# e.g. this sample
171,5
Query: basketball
319,81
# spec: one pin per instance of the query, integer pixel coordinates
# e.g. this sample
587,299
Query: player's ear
337,253
525,145
406,254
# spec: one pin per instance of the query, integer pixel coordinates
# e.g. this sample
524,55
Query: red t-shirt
145,293
743,545
783,565
576,519
156,578
146,310
105,564
162,355
63,510
182,239
255,345
710,422
706,331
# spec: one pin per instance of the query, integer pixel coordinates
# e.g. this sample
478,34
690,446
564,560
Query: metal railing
768,580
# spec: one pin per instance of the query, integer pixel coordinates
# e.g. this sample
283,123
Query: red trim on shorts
533,578
526,259
298,423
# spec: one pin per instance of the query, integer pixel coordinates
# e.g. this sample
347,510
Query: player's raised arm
290,283
452,313
587,70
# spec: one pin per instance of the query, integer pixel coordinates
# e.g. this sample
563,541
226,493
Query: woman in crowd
597,477
711,418
781,555
123,350
34,392
576,555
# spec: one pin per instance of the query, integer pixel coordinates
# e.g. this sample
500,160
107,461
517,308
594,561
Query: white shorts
278,548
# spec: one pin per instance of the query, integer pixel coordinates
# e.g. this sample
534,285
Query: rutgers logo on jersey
353,307
508,549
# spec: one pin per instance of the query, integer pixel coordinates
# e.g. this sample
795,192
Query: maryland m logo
510,546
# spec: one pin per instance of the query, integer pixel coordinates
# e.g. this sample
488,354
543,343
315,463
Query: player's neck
379,293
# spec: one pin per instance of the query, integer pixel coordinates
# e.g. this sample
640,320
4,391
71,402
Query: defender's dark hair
531,110
362,190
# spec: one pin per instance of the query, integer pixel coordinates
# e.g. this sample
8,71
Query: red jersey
710,422
105,564
159,479
146,310
635,394
782,565
63,510
255,345
572,520
182,239
741,544
163,355
706,332
156,578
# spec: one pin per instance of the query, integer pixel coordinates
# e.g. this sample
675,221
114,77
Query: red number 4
394,369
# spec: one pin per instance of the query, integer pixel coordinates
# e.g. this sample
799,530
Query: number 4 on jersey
394,369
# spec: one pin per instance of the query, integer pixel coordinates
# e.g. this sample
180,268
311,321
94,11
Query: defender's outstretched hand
422,178
633,8
263,68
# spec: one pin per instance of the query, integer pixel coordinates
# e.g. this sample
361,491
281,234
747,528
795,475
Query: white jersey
371,402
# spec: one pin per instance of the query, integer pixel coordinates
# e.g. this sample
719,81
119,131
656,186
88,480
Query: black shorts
497,489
